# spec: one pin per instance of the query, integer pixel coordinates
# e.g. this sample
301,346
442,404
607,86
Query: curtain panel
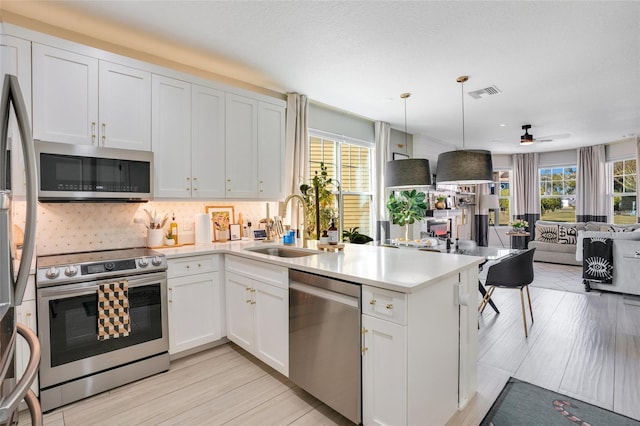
296,151
637,176
526,190
382,138
592,185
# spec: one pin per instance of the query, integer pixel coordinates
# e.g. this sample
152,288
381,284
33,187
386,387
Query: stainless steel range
77,359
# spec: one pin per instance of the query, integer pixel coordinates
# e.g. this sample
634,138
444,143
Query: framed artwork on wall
400,156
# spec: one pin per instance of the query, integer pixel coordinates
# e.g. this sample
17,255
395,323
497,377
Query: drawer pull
248,300
389,306
253,302
199,265
372,302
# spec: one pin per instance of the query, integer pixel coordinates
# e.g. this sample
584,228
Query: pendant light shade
465,166
407,173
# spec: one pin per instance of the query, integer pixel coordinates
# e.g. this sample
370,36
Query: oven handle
92,286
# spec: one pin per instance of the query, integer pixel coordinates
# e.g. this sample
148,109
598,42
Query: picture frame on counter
234,232
220,215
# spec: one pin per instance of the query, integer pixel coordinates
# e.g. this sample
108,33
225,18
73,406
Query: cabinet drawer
384,304
192,265
260,271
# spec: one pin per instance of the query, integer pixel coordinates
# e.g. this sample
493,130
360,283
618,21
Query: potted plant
441,202
355,237
518,225
169,238
406,208
320,202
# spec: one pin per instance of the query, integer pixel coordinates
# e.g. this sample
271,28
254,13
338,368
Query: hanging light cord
405,96
462,79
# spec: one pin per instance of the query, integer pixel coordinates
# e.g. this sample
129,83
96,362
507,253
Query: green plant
355,237
319,194
169,235
406,208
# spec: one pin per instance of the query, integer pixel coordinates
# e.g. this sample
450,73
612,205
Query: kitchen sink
283,251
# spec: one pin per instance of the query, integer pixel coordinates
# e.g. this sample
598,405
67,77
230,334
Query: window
502,188
624,192
349,162
558,194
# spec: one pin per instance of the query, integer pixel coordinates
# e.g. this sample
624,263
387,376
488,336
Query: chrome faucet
283,212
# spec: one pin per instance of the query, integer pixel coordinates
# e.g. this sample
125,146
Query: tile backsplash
75,227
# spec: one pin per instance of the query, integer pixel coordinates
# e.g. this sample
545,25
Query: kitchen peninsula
419,320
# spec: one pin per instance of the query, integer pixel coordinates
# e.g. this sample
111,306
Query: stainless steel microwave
86,173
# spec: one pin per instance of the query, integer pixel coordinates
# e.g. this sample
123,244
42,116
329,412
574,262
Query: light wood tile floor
586,345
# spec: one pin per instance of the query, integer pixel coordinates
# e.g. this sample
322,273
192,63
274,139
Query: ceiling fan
528,139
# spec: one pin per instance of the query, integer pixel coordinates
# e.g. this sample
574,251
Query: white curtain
296,150
637,177
592,185
526,189
382,137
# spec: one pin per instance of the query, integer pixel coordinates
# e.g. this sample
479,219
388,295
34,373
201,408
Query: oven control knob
52,273
156,261
109,266
70,270
143,262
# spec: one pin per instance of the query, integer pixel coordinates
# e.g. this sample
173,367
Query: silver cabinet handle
104,133
93,132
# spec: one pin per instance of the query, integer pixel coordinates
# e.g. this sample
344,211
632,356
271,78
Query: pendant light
464,166
410,172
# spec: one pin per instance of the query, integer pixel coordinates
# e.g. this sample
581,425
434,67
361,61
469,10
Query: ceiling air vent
487,91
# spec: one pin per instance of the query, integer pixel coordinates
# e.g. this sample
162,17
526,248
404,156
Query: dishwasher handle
325,294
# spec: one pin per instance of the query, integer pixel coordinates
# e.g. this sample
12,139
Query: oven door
67,324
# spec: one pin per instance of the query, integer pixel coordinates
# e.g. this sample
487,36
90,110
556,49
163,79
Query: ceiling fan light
526,139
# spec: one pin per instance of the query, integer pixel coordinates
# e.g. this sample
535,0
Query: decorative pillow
547,233
567,234
618,228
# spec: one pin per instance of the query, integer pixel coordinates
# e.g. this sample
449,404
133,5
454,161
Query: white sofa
555,242
626,265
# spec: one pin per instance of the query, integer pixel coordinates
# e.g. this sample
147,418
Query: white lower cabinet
411,359
258,310
196,302
384,372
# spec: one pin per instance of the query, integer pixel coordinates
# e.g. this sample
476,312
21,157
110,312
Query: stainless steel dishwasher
324,341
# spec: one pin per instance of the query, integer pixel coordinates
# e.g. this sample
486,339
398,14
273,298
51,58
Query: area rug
523,404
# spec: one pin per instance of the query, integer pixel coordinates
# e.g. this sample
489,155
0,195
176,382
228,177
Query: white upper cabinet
81,100
241,147
171,137
207,142
271,147
255,143
65,96
15,59
125,107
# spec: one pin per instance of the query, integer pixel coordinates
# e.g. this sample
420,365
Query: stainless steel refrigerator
13,281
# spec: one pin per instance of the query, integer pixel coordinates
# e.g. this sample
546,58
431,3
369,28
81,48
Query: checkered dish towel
113,310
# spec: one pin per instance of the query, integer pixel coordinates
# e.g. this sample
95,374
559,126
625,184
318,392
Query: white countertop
385,267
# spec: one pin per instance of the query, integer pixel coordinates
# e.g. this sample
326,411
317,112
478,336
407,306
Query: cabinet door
271,147
125,107
384,372
171,136
65,96
25,314
194,311
241,146
15,58
240,310
207,143
272,326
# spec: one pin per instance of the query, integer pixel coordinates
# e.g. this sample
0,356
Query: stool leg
530,308
524,317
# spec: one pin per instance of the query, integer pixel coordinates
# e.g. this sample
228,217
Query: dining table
490,254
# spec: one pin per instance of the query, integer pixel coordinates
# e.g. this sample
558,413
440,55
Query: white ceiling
564,67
